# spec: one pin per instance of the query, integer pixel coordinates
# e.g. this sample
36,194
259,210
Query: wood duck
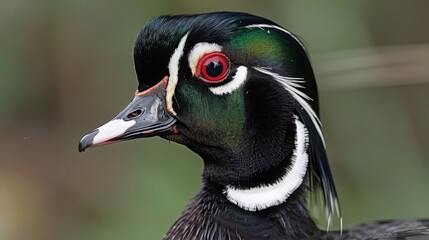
239,91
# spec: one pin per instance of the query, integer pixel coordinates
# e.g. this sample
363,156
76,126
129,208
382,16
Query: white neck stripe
262,197
173,68
236,82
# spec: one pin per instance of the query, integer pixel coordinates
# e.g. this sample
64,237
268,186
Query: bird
239,91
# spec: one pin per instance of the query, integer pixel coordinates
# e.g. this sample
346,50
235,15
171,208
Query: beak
145,116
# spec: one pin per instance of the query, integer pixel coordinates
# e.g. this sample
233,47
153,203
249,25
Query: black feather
319,170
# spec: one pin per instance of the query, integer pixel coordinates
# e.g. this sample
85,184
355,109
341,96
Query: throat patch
262,197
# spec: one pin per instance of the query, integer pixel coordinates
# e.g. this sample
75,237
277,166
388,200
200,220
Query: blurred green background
66,67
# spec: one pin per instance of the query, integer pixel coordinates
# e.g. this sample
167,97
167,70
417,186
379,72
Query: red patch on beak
175,130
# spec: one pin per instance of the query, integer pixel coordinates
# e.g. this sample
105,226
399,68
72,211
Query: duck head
239,91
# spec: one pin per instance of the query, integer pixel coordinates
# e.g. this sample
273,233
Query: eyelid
198,51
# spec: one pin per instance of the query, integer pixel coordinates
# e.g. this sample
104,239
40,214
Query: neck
266,195
272,211
211,216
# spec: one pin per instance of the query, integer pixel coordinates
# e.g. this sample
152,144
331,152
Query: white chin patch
236,82
112,130
262,197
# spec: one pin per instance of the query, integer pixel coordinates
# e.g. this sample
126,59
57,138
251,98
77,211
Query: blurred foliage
66,67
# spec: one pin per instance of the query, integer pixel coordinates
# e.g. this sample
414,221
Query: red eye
213,67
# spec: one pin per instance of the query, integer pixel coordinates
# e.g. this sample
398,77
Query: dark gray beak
145,116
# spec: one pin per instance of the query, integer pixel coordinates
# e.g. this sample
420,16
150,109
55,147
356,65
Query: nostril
135,114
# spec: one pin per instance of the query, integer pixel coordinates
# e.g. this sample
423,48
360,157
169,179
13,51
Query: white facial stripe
261,26
199,50
292,85
236,82
263,197
111,130
173,68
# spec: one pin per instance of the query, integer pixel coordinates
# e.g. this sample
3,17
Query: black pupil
214,68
